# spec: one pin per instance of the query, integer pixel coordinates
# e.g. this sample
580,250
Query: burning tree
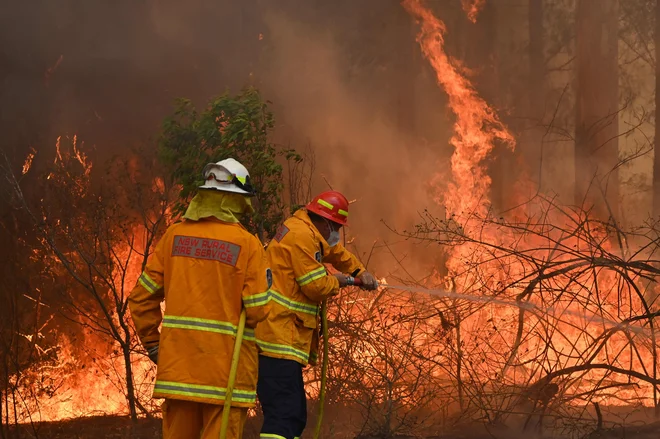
549,308
94,228
542,317
382,361
585,307
95,233
22,320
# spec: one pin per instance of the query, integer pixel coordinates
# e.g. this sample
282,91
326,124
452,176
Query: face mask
333,239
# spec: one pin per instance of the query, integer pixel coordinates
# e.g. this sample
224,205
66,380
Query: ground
93,427
120,427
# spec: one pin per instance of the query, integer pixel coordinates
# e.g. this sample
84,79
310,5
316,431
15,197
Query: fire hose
232,374
324,362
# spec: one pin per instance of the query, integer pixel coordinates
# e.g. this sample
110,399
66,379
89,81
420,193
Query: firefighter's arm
258,280
347,263
343,260
146,297
310,274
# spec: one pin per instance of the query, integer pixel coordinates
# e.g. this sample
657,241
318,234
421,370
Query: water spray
592,318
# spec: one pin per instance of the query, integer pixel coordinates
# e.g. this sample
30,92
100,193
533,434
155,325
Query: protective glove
152,353
368,281
343,280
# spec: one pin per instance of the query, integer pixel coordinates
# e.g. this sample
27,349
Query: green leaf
229,126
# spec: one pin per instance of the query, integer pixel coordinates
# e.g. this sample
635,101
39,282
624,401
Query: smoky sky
345,79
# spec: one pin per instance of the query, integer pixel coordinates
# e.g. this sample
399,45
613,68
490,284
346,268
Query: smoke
361,144
344,77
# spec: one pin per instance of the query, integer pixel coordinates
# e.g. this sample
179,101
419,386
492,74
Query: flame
78,371
84,377
486,266
158,186
472,8
58,152
477,127
78,377
28,161
50,70
81,156
84,374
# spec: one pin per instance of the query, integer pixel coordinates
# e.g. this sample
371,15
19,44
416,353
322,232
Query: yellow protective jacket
300,283
206,271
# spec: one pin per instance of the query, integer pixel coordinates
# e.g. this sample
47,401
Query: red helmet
331,205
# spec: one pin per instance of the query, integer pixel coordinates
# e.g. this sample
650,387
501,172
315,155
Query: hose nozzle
356,281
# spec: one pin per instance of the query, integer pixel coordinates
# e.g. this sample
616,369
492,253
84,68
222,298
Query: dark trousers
281,392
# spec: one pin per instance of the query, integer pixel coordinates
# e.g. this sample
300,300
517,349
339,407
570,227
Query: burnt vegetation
533,313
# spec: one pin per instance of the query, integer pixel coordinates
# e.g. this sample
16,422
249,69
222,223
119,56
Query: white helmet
228,176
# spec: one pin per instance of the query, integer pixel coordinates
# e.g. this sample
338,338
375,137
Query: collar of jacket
225,206
213,219
303,216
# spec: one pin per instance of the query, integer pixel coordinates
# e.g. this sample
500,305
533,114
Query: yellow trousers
193,420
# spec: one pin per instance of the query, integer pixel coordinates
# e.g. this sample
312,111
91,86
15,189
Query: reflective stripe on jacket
300,283
206,271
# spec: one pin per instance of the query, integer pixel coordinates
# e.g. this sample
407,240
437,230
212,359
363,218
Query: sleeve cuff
150,342
357,272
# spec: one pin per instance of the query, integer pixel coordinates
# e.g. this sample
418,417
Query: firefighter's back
205,265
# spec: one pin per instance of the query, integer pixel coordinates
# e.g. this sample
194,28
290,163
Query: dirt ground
112,427
651,431
93,427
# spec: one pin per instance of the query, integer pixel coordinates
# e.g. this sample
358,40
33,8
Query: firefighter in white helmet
206,268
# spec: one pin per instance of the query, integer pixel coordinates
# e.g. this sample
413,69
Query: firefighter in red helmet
288,338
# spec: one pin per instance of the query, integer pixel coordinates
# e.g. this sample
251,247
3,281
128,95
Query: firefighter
206,268
288,337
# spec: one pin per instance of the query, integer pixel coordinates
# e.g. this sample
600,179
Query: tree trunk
656,157
125,344
486,47
536,59
4,413
405,75
656,181
459,360
130,388
596,110
532,150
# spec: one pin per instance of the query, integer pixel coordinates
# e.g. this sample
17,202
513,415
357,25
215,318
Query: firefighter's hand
152,353
343,280
368,281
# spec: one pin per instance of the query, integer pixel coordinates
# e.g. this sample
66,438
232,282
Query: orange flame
83,374
477,130
58,152
477,127
50,70
472,8
28,161
81,156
